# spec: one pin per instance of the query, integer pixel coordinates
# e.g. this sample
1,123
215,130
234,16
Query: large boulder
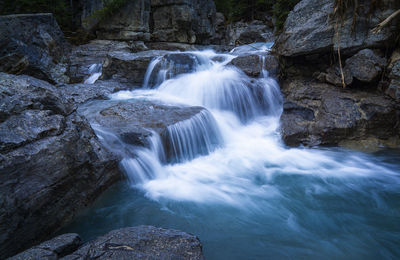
135,122
365,67
141,242
322,114
33,44
311,29
94,53
186,21
51,162
254,64
128,68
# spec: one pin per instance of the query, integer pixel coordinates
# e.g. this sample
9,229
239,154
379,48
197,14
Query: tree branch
385,22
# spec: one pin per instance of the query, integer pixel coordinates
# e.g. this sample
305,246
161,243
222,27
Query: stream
234,184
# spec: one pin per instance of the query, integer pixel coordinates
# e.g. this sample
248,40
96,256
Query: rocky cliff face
311,29
318,110
184,21
52,164
33,44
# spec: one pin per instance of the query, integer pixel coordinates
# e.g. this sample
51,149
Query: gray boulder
309,29
129,68
33,44
82,57
125,124
141,242
393,89
82,93
366,66
253,64
51,162
52,249
135,121
322,114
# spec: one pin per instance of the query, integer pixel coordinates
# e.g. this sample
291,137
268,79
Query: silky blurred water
247,195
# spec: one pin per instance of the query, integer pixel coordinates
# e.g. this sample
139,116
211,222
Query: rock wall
184,21
310,28
318,109
51,163
33,44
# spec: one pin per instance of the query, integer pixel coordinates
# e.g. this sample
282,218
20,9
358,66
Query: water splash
95,73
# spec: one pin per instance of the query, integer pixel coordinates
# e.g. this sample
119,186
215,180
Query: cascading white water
188,139
247,114
234,184
95,73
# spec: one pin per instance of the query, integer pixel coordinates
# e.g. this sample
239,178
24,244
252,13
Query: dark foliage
247,10
62,9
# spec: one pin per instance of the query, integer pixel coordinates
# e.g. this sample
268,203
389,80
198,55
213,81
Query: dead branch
385,22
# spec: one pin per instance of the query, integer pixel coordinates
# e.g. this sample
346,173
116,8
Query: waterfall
223,172
191,138
94,72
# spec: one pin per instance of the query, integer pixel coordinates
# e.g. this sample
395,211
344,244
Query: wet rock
309,29
82,57
33,44
366,65
134,121
253,64
128,68
172,64
81,93
142,242
52,249
322,114
51,162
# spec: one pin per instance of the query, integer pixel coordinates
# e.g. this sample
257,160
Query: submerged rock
33,44
51,162
321,114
